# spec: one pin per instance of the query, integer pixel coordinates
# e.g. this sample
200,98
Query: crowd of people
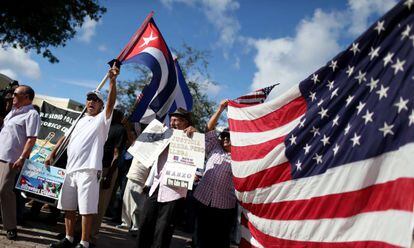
103,178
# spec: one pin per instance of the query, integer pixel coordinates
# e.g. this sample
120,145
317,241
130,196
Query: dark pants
213,226
157,222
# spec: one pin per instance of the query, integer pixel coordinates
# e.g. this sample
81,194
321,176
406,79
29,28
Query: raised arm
211,125
113,73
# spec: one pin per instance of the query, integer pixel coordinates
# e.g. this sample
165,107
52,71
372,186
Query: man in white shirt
17,136
84,166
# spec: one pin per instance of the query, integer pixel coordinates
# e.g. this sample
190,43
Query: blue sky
252,43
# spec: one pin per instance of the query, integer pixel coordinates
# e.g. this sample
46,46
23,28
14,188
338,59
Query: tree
37,25
194,65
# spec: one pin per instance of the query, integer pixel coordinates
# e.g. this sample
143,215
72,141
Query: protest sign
37,179
185,155
151,143
41,183
54,122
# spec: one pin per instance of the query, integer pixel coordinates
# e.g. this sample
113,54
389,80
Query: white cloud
88,30
218,13
102,48
237,62
15,62
89,84
361,10
289,60
206,86
169,3
211,89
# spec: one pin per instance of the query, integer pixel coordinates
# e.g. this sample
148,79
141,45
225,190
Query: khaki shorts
80,190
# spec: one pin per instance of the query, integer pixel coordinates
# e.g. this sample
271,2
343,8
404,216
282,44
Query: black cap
225,132
182,113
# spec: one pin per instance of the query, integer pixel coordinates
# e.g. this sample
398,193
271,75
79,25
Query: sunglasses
93,98
18,94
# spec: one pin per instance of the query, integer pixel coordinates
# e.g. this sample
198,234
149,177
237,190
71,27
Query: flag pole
65,141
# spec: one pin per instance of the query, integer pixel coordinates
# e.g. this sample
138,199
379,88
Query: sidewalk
37,234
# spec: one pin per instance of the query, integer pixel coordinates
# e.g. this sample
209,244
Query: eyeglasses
92,98
18,94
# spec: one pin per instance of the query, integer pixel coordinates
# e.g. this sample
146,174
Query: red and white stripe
367,203
254,97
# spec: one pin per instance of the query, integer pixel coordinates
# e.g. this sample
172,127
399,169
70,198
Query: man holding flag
83,171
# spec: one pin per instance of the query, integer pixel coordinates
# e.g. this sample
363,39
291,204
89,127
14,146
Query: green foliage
38,24
194,64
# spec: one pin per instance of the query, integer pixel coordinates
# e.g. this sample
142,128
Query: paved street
37,234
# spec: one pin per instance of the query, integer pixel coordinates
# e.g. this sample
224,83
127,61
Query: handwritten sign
185,155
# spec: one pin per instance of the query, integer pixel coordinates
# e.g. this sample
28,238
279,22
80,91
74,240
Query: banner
150,143
37,179
185,155
54,122
39,182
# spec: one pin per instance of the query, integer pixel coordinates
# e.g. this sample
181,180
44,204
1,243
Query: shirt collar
24,108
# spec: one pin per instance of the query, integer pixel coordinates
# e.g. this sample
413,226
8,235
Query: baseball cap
97,93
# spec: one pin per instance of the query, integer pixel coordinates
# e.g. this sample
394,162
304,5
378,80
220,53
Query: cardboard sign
185,155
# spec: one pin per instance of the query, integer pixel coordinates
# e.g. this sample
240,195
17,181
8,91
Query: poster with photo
38,179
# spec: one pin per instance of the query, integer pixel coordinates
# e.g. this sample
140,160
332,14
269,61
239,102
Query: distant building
65,103
4,81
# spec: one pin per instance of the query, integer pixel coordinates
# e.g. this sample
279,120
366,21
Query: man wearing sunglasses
18,136
80,189
215,192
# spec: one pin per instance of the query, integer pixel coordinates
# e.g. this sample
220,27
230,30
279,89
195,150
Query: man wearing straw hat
80,189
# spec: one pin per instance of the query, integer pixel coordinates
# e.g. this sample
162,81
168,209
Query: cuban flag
183,98
148,47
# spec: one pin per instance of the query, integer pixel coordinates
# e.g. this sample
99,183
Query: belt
2,161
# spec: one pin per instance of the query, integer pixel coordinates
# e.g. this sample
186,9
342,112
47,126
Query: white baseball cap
97,93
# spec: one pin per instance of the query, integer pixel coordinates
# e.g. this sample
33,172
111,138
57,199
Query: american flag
330,162
255,97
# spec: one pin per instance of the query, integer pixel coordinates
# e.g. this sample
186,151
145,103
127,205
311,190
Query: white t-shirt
85,148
